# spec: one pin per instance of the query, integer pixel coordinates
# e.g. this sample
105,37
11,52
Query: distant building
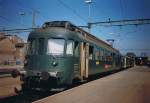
9,55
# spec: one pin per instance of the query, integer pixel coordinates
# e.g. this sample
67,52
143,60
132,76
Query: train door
84,52
87,60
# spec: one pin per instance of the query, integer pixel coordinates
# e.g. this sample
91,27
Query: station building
9,55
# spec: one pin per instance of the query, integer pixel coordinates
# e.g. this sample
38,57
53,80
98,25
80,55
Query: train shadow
95,77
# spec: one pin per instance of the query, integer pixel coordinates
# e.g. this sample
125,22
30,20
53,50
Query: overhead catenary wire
23,29
2,17
123,22
130,49
72,10
31,10
8,20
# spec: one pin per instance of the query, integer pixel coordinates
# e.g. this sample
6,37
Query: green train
60,52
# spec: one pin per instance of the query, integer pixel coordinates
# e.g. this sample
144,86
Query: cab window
32,46
55,46
69,50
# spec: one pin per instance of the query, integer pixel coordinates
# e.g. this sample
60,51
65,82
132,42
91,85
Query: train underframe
34,82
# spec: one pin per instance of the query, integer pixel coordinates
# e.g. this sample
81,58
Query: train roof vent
65,24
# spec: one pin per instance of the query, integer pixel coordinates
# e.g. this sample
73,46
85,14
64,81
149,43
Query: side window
101,54
90,52
109,57
76,49
69,50
97,54
104,55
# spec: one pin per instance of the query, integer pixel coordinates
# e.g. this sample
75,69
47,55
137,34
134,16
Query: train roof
87,36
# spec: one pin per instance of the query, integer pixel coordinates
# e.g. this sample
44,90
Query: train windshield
36,46
55,46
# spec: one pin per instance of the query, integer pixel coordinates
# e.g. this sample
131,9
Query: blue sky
127,38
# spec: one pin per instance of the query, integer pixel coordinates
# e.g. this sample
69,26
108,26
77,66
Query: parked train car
128,61
60,52
141,60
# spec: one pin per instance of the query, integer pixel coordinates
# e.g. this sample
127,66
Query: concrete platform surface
128,86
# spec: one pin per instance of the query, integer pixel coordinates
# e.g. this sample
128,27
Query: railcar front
52,55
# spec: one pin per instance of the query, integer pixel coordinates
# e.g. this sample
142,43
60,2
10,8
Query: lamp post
34,12
89,15
22,14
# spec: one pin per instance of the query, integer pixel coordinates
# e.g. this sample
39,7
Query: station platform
7,82
128,86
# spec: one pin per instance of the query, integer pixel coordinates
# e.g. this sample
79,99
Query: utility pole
89,15
34,12
33,18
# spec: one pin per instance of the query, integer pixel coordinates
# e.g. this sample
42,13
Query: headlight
54,63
